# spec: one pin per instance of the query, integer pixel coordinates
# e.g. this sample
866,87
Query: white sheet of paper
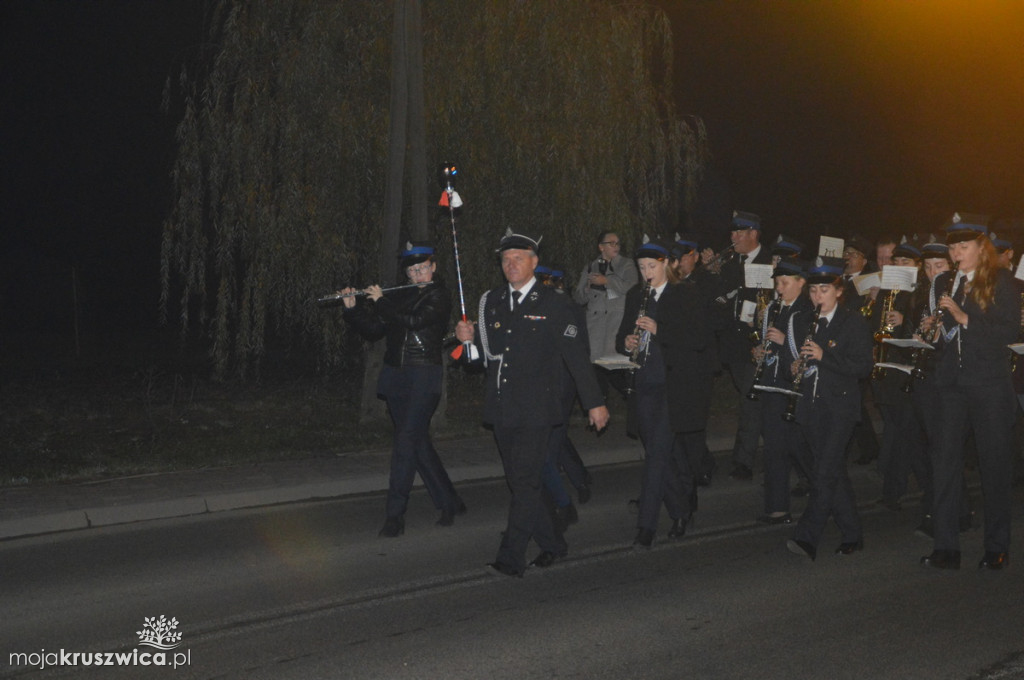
615,362
906,368
1017,347
758,276
865,282
899,278
777,390
747,311
830,246
612,294
1020,269
907,342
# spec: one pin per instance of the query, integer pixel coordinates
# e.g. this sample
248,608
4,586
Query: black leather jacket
412,320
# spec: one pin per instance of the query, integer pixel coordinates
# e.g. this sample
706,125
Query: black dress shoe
942,559
994,560
584,493
678,529
545,559
802,548
394,526
644,539
502,569
742,473
780,519
850,547
448,516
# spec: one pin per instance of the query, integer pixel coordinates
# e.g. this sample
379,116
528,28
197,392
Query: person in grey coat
602,289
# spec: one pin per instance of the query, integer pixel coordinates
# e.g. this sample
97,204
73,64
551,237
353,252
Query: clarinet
771,314
634,356
790,415
917,357
949,291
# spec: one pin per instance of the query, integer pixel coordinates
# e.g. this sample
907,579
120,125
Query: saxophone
771,314
886,329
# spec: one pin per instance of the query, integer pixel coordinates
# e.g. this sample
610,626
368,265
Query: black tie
516,294
958,296
822,324
743,259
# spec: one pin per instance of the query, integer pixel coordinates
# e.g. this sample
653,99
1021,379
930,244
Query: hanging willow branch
559,115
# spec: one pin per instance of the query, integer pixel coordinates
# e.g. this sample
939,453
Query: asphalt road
309,591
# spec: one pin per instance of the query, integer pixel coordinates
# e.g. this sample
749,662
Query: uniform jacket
412,320
733,335
793,322
846,358
981,356
526,353
604,306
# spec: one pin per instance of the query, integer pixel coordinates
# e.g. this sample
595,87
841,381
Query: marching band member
784,326
835,358
527,337
639,337
413,323
972,375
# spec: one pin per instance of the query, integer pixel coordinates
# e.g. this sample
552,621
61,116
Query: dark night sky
874,115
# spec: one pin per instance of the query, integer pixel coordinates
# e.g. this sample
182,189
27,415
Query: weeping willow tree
559,115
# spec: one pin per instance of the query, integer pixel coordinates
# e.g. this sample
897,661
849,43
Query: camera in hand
602,269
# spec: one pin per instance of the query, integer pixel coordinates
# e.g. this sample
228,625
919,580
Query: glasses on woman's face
614,244
418,269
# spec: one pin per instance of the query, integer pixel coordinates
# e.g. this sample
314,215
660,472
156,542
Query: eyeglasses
418,269
610,243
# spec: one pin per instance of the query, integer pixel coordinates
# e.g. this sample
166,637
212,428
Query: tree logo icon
159,632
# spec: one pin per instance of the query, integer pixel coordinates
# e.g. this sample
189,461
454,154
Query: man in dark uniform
734,330
527,333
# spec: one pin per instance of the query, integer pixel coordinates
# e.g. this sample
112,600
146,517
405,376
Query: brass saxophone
801,365
772,313
886,329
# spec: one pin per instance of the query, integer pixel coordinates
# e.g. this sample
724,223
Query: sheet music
829,246
1017,347
747,311
616,362
1020,269
777,390
865,282
906,368
758,276
907,342
899,278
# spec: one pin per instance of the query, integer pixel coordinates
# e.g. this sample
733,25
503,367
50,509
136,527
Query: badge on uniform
831,344
570,331
535,318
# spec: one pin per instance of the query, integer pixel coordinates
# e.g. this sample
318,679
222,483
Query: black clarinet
771,314
918,358
790,415
634,356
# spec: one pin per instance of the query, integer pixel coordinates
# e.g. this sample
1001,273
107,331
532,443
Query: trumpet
336,298
886,329
725,255
771,314
868,306
801,365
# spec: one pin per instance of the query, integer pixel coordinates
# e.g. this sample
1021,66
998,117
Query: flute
336,298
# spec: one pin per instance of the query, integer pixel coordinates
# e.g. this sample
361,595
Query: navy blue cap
745,220
557,273
542,270
858,243
787,247
790,266
414,253
825,270
934,249
653,248
907,249
965,227
512,241
687,242
1001,244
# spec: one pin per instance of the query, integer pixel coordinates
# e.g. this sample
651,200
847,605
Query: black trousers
748,430
412,394
661,482
784,448
524,450
989,409
827,433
